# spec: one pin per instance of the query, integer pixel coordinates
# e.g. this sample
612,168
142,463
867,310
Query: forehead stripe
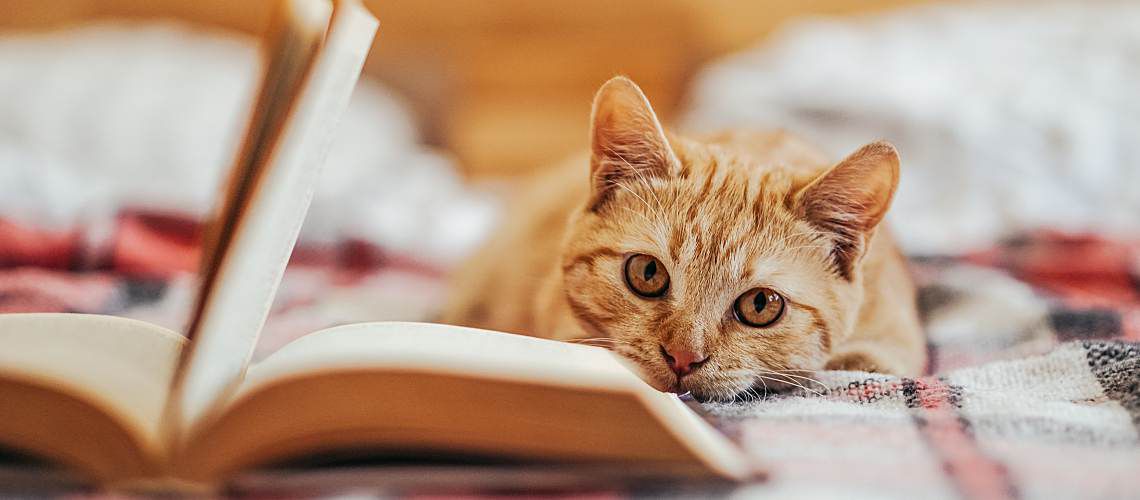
589,257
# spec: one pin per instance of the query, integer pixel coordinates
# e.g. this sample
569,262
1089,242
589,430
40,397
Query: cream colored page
123,365
707,443
252,270
488,355
446,349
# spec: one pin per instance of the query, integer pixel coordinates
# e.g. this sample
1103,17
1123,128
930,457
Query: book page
263,214
447,389
120,368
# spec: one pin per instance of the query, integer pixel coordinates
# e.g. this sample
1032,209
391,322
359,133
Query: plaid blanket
1035,390
1060,425
143,266
1035,349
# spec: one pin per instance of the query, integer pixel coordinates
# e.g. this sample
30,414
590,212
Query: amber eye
646,276
759,307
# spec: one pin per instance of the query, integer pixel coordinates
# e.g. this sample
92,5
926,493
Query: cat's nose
683,361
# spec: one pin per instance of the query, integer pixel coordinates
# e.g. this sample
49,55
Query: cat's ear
850,199
627,142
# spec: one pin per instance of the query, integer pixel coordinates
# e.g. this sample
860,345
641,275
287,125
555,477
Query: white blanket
1007,117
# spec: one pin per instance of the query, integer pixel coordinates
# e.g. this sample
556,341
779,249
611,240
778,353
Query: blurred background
117,118
500,84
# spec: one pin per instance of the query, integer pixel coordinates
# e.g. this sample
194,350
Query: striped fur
724,214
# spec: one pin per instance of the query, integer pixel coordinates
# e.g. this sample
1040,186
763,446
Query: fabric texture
145,269
1034,389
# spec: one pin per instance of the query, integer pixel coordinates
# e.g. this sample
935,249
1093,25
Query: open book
127,403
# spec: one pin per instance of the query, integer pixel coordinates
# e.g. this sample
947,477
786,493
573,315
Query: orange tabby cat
718,265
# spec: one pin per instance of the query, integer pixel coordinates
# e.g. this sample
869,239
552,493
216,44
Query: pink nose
683,361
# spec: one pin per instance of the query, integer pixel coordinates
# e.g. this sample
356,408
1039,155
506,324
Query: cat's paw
862,362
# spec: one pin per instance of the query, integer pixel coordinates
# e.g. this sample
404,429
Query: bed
1023,230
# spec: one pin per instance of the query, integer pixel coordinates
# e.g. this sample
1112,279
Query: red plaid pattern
1035,391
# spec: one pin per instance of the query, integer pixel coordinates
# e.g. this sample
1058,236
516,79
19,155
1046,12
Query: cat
718,265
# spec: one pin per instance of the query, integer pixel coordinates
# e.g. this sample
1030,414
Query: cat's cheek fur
590,285
723,214
782,354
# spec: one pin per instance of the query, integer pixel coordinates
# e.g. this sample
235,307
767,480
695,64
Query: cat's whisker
765,384
745,395
810,373
639,214
785,368
641,177
809,379
791,379
637,171
628,351
756,395
792,382
635,195
596,344
612,345
762,378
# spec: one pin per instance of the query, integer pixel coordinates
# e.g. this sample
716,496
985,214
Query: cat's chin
713,396
700,389
707,393
682,388
702,392
754,392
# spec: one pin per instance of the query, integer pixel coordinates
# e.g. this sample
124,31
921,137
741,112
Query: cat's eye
759,307
646,276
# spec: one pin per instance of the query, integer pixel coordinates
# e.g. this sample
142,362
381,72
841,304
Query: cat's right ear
627,142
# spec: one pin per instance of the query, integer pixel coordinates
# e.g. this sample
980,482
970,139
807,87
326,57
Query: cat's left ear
851,199
627,142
